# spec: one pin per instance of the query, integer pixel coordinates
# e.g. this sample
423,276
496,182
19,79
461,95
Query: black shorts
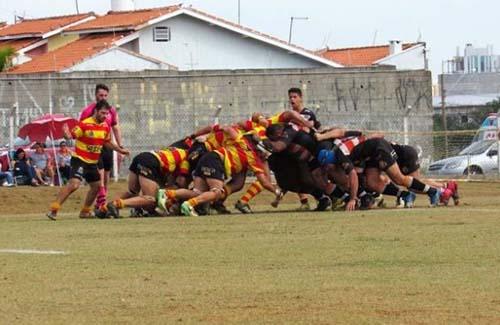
384,156
84,171
210,166
291,175
106,159
147,165
407,158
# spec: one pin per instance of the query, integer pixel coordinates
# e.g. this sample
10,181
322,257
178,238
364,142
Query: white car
479,158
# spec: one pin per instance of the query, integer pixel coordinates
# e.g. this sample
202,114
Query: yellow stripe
171,160
96,134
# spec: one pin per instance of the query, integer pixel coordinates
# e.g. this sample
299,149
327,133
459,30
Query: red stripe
92,141
177,156
164,160
87,155
219,137
231,160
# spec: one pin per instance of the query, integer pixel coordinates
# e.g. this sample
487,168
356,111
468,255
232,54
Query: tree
6,54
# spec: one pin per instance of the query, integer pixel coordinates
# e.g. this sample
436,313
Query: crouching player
91,135
149,171
237,156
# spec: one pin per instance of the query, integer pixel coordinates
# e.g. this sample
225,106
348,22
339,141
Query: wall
60,40
472,84
412,59
197,45
158,107
115,59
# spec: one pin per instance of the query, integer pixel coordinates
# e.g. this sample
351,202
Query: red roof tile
40,26
124,20
68,55
18,44
358,56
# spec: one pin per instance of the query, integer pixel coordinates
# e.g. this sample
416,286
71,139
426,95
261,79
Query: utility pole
77,9
291,26
443,113
239,12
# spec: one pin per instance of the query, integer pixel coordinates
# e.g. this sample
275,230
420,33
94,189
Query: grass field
418,266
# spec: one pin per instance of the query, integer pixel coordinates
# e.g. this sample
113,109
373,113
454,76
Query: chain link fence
157,109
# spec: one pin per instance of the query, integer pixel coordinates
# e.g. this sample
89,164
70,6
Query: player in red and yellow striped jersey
260,121
91,135
234,158
149,171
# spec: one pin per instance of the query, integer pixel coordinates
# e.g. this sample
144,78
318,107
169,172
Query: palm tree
6,54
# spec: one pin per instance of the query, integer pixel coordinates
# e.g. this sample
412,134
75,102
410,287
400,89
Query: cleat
304,207
220,208
445,196
323,204
202,209
101,213
52,215
137,213
278,199
161,200
188,210
366,202
434,199
379,201
243,207
453,186
112,210
337,203
400,203
409,199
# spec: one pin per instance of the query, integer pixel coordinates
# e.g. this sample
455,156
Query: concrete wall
158,107
472,84
196,45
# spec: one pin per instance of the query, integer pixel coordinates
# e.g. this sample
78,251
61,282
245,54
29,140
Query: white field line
31,251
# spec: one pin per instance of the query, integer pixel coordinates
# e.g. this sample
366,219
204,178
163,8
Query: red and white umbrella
46,126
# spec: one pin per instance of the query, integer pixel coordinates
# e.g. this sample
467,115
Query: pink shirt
88,111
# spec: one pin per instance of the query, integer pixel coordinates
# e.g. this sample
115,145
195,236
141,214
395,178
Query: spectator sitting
42,164
64,160
24,173
6,178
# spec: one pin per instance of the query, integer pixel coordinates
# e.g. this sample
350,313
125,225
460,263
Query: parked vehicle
481,157
488,129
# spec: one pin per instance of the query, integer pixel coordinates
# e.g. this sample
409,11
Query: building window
161,34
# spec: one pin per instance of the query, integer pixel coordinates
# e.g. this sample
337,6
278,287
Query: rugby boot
113,210
434,199
409,199
323,203
188,210
243,207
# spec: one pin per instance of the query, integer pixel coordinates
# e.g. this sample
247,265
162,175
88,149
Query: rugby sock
254,189
193,202
392,190
55,206
119,203
86,209
418,186
171,195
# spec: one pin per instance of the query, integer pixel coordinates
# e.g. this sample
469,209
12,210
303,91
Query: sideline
32,251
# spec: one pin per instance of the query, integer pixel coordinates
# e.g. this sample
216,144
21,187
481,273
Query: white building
171,37
404,56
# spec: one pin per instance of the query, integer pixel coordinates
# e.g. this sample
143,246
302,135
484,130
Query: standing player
105,163
91,135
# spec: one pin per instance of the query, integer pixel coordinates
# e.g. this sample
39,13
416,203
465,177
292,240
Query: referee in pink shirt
105,163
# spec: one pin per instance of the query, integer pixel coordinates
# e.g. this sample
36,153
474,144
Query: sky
442,24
